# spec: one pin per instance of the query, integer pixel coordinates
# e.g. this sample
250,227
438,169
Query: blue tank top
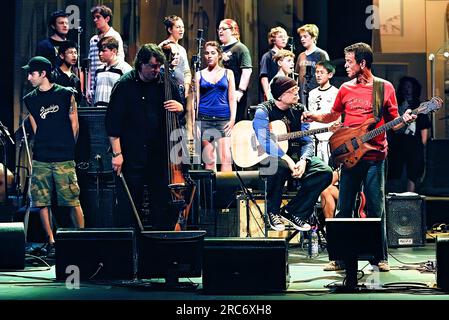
214,98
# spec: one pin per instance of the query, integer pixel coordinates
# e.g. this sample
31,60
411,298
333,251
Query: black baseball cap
55,15
38,63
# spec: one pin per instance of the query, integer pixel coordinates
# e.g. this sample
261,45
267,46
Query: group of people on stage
299,94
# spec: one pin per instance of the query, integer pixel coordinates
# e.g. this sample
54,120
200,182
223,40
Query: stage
411,277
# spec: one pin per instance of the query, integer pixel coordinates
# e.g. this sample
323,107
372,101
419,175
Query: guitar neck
383,128
300,134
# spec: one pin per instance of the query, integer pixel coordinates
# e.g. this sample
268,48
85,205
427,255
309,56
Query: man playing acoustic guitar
299,162
355,101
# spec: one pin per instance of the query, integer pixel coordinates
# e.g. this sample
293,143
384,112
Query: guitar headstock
429,106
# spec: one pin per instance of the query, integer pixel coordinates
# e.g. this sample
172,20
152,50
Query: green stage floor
307,282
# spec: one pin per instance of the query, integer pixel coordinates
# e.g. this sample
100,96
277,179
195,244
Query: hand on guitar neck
349,144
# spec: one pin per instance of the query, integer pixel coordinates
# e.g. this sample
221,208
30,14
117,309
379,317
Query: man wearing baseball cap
299,163
54,119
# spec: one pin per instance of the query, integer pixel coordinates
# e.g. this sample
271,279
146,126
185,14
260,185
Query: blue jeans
372,175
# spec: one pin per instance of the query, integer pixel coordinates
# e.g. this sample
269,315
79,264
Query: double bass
181,187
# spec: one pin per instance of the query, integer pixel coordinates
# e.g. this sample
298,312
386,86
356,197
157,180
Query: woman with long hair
217,107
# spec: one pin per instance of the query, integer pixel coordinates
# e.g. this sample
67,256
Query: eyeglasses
222,29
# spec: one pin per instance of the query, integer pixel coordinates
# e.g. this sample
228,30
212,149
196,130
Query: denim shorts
58,176
212,128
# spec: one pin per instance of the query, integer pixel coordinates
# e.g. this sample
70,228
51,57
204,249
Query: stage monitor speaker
99,254
91,152
12,245
435,181
235,265
443,263
406,221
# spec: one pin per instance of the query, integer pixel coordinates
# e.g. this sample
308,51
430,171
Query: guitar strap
378,98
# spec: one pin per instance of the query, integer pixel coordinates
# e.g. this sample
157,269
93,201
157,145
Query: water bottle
314,243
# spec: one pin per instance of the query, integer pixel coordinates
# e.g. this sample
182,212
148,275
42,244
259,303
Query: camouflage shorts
57,176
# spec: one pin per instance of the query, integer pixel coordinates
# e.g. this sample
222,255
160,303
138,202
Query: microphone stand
81,71
291,43
28,183
308,77
196,65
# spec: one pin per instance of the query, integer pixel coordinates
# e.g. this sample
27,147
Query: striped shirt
106,78
95,62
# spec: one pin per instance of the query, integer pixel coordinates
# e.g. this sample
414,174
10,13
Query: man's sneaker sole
277,228
307,228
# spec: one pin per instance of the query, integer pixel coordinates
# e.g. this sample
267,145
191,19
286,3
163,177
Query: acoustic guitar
349,144
246,150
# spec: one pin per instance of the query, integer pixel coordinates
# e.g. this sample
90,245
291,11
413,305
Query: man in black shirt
54,119
64,75
59,28
136,126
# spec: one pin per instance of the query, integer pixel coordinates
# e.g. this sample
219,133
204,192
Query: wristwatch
116,154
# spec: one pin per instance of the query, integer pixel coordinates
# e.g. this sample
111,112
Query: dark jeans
315,179
137,175
372,175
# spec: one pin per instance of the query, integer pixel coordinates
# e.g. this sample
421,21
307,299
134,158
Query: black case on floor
98,253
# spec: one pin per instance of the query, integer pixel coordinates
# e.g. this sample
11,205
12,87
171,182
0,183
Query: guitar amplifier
406,220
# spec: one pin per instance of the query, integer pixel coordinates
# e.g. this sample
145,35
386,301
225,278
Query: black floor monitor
353,239
170,255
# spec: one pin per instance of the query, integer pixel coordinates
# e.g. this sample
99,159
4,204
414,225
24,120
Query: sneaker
275,222
333,266
296,222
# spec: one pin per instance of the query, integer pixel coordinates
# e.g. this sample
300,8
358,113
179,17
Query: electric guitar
246,150
349,144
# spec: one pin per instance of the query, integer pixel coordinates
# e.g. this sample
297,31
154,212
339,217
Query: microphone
199,35
5,131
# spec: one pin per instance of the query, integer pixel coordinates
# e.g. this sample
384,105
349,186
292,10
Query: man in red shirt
354,101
